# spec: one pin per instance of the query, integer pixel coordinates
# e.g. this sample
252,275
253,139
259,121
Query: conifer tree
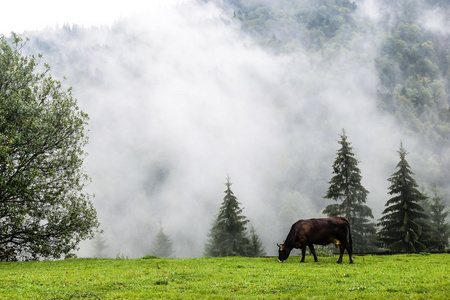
440,228
99,244
256,247
228,233
162,245
346,187
403,220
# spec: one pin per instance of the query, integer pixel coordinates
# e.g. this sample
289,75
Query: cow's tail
349,235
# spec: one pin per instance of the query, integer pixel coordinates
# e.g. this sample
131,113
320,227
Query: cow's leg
311,248
349,249
341,250
303,247
350,256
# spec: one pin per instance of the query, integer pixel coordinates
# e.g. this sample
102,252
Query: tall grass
371,277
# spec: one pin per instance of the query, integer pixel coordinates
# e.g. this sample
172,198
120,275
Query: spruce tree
228,233
162,246
404,218
346,187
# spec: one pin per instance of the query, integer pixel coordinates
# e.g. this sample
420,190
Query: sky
29,15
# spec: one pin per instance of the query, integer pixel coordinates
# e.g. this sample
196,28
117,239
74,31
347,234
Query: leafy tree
44,212
162,245
228,234
292,27
412,69
346,187
438,215
404,218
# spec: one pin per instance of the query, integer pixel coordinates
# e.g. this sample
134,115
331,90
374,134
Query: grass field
409,276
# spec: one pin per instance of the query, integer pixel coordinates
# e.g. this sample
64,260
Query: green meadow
408,276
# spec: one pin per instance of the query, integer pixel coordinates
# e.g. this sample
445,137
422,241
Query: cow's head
283,252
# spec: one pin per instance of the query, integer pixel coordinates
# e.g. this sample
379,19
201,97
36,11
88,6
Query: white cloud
436,20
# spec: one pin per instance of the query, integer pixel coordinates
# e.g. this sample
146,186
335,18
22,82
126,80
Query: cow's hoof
351,262
339,262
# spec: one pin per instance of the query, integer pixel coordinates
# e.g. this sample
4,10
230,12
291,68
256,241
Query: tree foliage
99,245
403,226
228,235
294,25
256,247
346,187
412,68
440,229
44,212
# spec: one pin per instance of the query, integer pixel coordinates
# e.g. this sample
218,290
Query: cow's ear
278,245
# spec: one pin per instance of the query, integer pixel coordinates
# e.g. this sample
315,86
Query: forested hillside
412,60
259,90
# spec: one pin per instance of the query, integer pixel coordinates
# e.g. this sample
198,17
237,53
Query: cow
322,231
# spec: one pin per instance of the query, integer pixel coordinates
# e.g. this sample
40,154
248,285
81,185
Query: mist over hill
183,96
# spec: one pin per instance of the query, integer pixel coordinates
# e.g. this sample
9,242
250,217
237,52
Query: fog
179,98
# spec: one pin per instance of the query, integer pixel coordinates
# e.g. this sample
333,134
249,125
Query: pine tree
345,186
404,218
162,246
440,228
228,233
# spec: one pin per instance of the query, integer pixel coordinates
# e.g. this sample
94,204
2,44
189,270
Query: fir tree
228,233
346,187
404,218
162,246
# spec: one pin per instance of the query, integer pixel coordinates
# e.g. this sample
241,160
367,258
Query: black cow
323,231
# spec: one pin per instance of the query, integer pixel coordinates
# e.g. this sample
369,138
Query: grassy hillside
371,277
